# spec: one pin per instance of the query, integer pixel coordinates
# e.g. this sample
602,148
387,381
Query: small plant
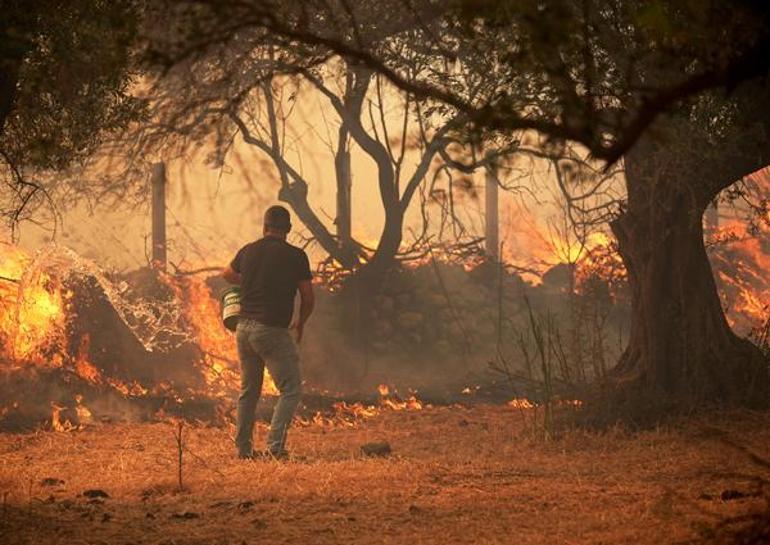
179,438
544,333
549,370
540,347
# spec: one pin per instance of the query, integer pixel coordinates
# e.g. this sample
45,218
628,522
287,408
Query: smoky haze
211,212
437,328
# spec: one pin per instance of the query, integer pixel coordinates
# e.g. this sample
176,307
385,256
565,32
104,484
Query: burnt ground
456,475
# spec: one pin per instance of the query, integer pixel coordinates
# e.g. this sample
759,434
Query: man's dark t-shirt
270,270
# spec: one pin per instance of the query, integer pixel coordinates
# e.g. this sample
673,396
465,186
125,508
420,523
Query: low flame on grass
57,422
522,403
83,413
61,424
350,414
526,404
393,402
84,368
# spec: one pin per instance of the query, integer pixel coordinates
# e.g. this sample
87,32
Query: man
270,271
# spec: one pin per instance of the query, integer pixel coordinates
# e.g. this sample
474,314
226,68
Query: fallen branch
220,358
179,272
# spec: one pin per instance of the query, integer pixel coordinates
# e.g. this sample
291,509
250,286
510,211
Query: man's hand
299,328
307,303
231,276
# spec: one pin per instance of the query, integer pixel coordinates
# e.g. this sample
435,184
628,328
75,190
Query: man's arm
306,306
229,274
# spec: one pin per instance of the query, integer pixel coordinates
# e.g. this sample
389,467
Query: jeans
260,345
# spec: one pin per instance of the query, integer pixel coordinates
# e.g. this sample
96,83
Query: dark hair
278,218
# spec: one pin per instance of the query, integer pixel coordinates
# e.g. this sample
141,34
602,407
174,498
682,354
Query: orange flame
349,414
32,314
35,314
202,311
84,368
741,265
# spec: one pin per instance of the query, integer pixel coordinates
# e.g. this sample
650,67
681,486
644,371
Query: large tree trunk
390,241
681,345
681,350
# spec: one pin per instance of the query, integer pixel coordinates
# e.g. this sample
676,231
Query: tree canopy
597,72
66,75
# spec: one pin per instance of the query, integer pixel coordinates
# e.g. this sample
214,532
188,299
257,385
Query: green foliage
67,69
72,65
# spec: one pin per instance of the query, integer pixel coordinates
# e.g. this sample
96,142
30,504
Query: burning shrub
69,337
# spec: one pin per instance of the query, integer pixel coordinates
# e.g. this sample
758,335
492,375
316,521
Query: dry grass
456,476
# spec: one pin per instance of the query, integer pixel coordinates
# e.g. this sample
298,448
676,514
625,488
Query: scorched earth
455,475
